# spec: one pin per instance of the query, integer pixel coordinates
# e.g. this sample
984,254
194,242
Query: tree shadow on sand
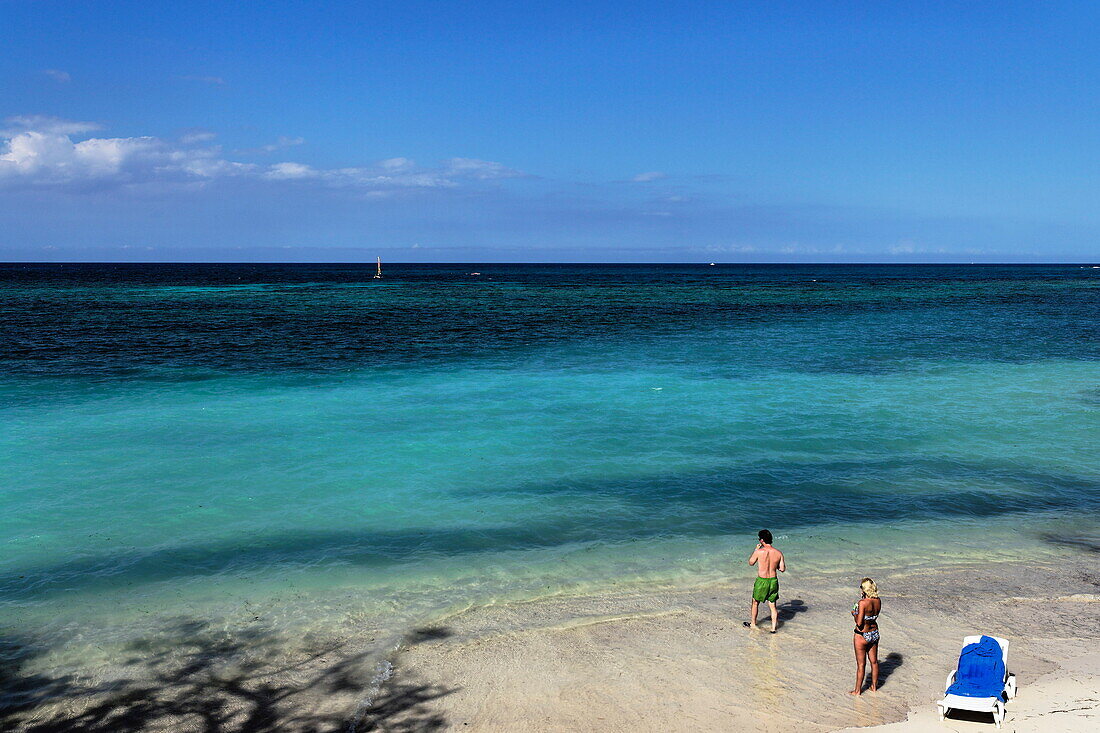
20,690
427,633
192,676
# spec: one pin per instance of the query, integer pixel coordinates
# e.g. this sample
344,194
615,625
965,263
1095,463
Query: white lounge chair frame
993,705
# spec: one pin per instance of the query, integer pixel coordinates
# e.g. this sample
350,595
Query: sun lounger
980,682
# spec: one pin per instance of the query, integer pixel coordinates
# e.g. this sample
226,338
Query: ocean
310,448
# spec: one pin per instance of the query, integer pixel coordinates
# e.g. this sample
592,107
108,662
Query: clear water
320,445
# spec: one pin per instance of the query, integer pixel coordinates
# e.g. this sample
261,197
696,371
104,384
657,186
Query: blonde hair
869,588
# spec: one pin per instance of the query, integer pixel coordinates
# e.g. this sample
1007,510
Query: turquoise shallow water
207,439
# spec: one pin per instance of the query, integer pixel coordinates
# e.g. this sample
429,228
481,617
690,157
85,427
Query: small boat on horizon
378,275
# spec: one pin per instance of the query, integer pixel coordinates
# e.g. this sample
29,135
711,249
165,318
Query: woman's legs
860,647
872,652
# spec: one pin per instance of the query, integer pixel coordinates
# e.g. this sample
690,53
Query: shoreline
680,659
635,657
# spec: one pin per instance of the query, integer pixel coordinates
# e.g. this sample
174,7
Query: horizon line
550,262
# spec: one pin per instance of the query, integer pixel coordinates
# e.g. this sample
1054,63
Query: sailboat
378,275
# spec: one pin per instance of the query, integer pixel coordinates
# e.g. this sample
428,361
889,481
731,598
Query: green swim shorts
766,589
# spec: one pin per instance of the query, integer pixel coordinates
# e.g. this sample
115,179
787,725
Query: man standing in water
767,560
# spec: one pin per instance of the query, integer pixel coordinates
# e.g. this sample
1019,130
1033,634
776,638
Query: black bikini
869,636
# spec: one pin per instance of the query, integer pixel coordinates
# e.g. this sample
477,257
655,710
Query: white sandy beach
681,660
636,659
1067,699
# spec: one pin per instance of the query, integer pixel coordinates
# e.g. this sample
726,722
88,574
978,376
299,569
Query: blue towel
981,670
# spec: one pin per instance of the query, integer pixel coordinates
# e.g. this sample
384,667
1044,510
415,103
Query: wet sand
681,659
636,659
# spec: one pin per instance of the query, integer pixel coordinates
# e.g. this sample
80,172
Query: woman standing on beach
865,641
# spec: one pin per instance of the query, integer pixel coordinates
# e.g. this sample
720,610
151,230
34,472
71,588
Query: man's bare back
768,560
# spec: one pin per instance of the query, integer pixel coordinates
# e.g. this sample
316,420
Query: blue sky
600,131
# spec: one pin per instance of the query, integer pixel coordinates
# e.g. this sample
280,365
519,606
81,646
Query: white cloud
384,175
909,247
197,135
648,176
397,173
47,125
482,170
61,77
724,248
281,142
287,171
49,157
397,164
41,152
